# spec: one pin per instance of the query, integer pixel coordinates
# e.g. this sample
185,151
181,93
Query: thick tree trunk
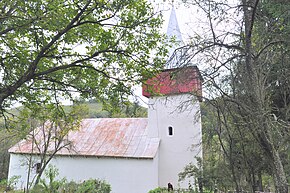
280,179
274,159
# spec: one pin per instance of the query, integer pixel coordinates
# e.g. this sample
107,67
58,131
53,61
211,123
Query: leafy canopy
50,49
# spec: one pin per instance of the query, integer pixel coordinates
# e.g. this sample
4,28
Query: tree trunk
38,177
274,159
260,181
280,179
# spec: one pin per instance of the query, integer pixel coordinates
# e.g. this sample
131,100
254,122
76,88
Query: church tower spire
173,29
175,54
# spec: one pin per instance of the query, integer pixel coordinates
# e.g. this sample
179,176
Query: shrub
157,190
9,184
62,186
53,185
164,190
71,187
94,186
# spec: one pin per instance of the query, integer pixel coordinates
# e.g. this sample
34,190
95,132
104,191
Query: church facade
134,155
131,154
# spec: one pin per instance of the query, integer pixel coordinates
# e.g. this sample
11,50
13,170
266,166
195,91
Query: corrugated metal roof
104,137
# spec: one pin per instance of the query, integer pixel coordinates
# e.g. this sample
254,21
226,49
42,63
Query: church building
133,155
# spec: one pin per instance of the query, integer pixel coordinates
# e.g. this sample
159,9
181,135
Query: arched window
170,131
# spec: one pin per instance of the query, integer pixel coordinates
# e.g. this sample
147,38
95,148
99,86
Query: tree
52,49
7,139
247,90
48,129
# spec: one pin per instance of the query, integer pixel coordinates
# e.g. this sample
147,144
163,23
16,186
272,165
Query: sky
186,16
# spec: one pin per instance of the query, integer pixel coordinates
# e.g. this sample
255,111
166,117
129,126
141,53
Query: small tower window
170,131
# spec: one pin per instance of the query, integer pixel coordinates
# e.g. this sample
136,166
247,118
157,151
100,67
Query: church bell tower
174,115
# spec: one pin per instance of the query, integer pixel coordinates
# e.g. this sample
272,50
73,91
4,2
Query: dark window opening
170,131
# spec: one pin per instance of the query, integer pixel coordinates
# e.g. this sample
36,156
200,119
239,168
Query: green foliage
71,187
246,69
94,186
8,185
100,49
12,181
7,139
96,109
52,185
158,190
52,50
3,184
88,186
164,190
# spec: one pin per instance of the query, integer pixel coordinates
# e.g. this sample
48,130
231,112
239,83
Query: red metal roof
104,137
174,81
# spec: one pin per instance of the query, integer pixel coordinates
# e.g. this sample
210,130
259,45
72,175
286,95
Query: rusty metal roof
104,137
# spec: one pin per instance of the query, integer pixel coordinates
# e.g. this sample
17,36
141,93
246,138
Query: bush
53,185
3,185
71,187
164,190
7,185
61,186
88,186
157,190
94,186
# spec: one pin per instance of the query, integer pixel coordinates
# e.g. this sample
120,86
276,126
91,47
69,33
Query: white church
133,155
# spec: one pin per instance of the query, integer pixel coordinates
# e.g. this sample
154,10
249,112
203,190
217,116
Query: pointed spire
174,31
173,27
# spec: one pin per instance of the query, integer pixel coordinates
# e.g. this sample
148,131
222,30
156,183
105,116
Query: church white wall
124,175
18,167
181,112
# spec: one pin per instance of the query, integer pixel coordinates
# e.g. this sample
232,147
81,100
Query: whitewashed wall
124,175
182,113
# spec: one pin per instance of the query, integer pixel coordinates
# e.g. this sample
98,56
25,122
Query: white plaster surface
124,175
181,112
